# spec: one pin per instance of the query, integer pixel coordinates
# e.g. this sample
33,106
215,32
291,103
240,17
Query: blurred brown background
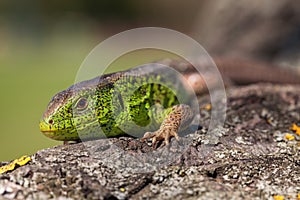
44,42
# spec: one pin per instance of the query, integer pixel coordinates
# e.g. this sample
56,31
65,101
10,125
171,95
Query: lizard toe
175,134
148,135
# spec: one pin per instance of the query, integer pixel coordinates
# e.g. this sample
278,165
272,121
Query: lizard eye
82,103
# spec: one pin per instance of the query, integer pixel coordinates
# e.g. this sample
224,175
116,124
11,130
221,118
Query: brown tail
245,72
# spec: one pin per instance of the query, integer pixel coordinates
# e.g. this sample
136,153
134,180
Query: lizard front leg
179,117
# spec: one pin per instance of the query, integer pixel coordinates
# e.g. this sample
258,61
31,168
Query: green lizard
116,104
106,107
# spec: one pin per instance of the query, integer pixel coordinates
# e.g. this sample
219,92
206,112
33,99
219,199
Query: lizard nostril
50,121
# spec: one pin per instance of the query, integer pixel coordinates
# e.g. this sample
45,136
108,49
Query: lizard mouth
45,127
54,133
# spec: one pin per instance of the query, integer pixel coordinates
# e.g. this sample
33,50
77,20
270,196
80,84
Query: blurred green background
33,67
43,43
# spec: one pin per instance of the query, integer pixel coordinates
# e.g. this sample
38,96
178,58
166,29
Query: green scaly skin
116,104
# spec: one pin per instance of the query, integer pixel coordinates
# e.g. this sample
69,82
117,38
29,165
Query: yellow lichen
206,107
278,197
296,129
289,136
18,162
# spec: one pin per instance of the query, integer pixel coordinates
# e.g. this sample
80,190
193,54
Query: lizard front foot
161,135
180,115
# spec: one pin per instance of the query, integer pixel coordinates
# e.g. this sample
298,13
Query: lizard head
70,111
67,112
